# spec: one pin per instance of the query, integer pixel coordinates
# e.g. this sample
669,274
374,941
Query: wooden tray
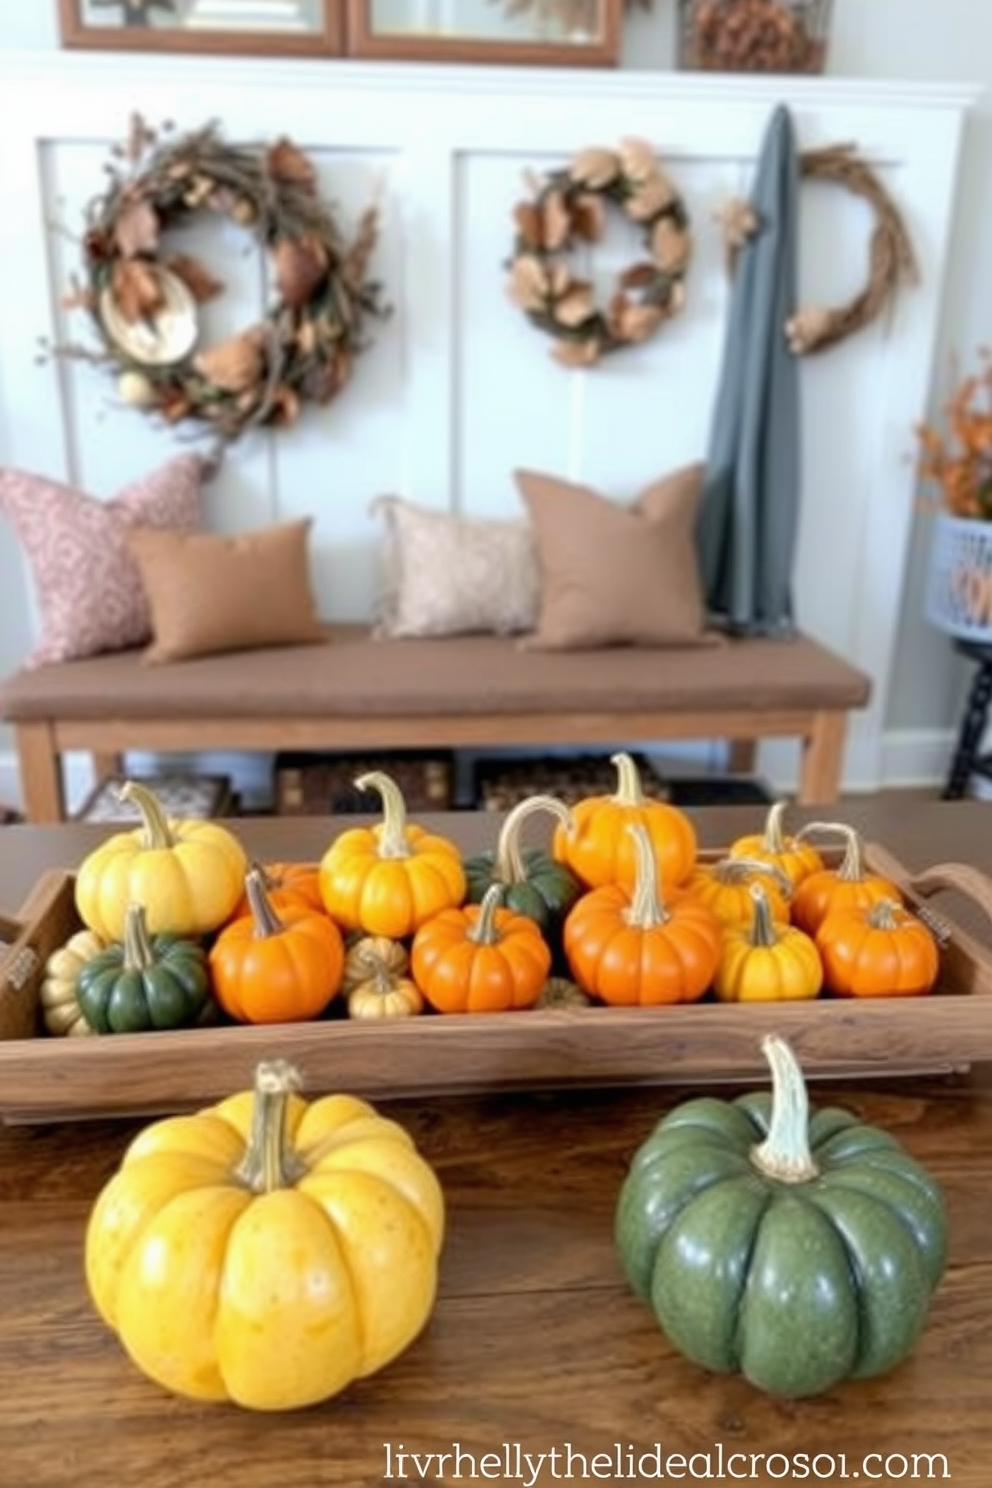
46,1079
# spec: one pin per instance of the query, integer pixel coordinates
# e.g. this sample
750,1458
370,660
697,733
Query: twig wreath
144,300
568,207
891,261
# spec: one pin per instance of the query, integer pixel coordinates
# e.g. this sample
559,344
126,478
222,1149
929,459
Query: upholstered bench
356,691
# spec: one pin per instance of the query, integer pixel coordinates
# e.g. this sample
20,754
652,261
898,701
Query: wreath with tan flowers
144,297
568,208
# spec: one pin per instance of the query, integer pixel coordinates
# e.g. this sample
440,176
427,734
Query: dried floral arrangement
143,296
568,208
955,459
891,261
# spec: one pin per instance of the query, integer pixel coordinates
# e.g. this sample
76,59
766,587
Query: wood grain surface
535,1339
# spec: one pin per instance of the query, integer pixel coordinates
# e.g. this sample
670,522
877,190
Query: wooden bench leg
822,760
40,767
106,766
742,756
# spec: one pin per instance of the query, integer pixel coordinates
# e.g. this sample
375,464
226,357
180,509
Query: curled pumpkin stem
485,931
629,791
154,822
785,1153
392,831
852,865
646,908
509,867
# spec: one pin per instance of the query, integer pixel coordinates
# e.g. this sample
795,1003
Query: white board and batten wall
456,389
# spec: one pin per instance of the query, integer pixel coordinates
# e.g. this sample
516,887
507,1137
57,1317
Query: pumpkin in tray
792,853
878,950
851,885
534,882
267,1250
188,874
796,1250
143,982
599,849
767,961
389,878
60,1009
480,958
645,946
273,966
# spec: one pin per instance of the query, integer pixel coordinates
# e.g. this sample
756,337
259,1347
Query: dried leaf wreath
144,298
568,207
891,260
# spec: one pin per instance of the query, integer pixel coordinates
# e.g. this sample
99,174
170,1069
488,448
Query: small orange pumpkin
879,951
480,958
796,857
725,887
848,886
276,968
388,879
599,850
636,948
286,884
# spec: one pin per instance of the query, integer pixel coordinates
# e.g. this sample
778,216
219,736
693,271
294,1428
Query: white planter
959,580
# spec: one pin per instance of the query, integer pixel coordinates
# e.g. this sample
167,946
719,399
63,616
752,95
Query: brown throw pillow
612,574
210,592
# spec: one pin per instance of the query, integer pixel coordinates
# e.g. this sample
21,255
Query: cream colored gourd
60,1008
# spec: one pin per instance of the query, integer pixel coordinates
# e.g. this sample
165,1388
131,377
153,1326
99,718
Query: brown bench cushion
354,674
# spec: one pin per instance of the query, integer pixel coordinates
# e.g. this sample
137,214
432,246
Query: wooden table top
535,1339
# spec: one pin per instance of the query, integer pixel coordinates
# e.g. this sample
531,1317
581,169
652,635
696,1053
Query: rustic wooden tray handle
961,878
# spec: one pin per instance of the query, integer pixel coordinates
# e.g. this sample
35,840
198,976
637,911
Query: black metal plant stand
967,761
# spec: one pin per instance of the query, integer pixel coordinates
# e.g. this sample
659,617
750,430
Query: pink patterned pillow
87,585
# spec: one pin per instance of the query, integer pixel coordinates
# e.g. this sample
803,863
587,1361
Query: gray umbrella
748,516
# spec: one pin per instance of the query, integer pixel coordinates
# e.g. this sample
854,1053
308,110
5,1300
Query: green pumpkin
797,1251
533,883
143,983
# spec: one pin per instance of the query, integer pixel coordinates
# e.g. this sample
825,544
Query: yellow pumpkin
267,1250
188,874
766,961
790,852
390,878
60,1008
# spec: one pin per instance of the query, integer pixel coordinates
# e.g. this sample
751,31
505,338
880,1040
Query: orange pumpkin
388,879
600,850
276,968
848,886
638,948
879,951
725,887
796,857
480,958
286,884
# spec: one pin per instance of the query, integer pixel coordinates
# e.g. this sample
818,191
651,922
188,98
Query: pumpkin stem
509,867
268,1163
852,867
484,931
785,1153
154,822
138,955
629,791
763,932
645,908
392,830
263,912
884,915
774,839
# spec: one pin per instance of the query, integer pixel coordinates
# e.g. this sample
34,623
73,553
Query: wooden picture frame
261,28
534,36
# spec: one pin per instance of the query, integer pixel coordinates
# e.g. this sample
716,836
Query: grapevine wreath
891,260
144,298
568,208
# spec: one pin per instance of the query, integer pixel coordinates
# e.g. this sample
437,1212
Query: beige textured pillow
210,592
612,574
451,575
